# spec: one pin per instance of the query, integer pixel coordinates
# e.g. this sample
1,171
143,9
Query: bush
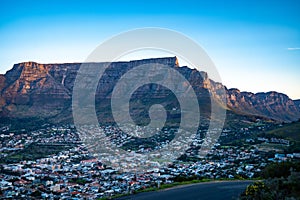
277,170
282,181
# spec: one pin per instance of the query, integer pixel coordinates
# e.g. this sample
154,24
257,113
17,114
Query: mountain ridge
31,89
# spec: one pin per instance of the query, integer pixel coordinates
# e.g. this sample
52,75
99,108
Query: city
71,171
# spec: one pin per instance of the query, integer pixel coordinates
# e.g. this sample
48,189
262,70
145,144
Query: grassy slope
290,131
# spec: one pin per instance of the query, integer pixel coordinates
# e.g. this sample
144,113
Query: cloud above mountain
293,48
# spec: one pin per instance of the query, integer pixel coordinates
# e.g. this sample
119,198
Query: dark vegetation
289,131
281,181
18,124
34,151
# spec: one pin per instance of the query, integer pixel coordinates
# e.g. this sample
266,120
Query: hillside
290,131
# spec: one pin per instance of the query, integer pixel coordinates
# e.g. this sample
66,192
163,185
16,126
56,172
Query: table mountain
31,89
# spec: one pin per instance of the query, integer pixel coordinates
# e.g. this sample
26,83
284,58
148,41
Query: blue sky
255,45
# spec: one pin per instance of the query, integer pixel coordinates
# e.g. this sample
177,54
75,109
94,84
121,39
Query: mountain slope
297,103
290,131
30,89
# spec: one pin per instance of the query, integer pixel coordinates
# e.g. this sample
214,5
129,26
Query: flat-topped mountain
30,89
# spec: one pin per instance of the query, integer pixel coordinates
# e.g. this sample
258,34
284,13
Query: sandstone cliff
30,89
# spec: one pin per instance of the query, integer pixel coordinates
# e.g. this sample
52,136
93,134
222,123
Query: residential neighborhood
71,171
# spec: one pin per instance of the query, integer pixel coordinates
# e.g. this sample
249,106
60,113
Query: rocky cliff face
271,104
45,90
36,90
297,103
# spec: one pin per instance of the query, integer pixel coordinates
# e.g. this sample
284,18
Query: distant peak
271,93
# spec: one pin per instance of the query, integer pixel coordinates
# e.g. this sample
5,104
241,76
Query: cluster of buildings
11,142
274,140
76,173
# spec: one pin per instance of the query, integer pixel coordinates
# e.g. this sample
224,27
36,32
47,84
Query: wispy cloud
293,48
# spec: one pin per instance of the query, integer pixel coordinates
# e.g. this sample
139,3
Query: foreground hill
44,91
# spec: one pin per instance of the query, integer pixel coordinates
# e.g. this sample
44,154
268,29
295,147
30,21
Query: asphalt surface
227,190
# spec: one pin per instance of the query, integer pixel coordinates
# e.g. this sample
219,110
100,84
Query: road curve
200,191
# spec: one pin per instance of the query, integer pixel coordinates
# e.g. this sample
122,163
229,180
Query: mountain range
31,89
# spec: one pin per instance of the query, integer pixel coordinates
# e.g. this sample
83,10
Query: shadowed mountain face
297,103
45,91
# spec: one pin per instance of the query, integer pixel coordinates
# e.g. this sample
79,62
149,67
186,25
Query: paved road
227,190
